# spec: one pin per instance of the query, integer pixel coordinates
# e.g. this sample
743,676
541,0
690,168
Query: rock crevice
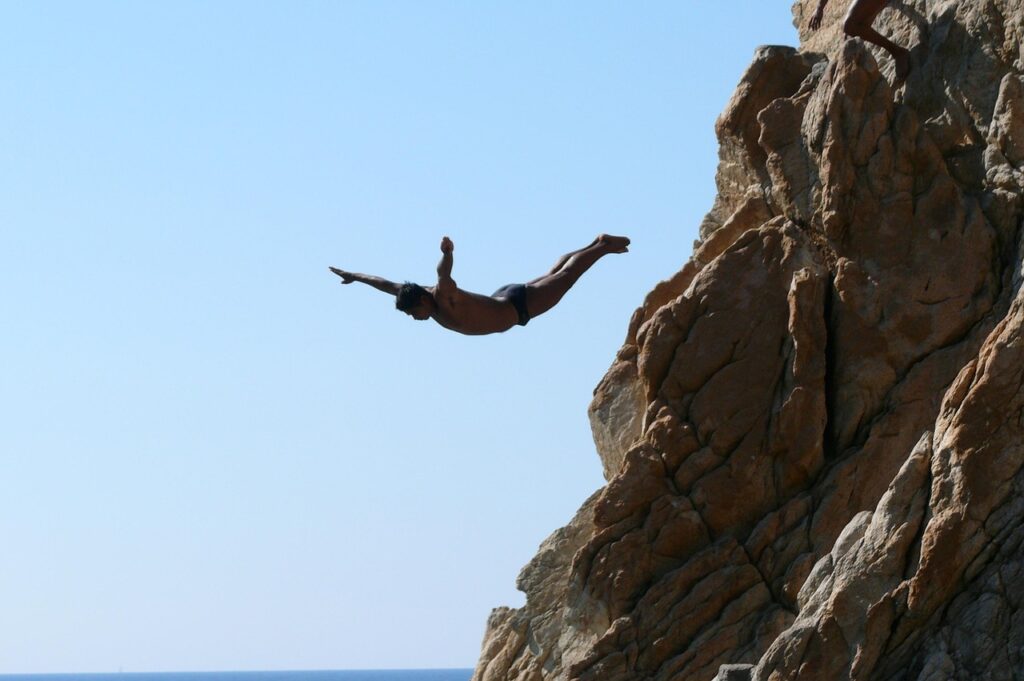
813,434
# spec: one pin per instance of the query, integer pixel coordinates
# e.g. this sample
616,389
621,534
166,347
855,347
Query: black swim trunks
515,294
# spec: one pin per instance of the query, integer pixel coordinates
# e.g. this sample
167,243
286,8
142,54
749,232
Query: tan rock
813,434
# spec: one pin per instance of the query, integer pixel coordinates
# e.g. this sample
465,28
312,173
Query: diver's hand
446,245
346,277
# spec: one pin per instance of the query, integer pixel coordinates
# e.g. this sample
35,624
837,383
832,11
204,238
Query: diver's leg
543,293
858,23
564,259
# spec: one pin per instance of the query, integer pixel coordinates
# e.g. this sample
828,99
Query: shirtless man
475,314
857,24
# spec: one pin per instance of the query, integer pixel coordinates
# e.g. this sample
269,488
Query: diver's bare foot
902,60
614,244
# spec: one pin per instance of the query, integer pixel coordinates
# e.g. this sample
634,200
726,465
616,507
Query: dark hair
409,296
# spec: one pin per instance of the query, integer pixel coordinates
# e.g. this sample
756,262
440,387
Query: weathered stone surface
537,628
734,672
814,433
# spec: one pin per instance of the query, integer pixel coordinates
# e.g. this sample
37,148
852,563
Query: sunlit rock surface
814,433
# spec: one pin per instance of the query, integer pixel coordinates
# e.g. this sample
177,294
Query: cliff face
814,433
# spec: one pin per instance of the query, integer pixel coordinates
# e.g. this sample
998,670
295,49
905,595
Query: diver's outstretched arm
376,282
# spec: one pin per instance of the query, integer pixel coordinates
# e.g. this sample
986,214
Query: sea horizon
410,674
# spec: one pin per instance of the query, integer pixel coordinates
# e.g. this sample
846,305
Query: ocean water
350,675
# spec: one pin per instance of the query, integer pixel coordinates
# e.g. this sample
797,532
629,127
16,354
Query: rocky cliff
814,433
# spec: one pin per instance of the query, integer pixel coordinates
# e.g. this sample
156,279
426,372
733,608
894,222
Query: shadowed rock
814,433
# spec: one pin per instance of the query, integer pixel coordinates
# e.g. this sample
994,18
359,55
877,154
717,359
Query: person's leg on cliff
858,24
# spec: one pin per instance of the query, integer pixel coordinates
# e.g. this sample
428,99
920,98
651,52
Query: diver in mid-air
475,314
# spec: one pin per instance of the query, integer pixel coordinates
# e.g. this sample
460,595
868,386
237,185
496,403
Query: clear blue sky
212,456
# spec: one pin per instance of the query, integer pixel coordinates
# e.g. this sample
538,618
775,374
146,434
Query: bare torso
472,313
475,314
